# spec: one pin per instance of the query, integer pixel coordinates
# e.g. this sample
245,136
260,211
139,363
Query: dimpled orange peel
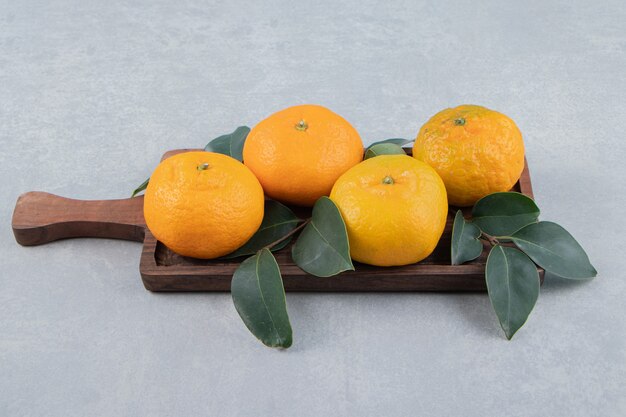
299,152
394,207
203,204
476,151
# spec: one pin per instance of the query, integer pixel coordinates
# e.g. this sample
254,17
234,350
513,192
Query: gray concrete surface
91,93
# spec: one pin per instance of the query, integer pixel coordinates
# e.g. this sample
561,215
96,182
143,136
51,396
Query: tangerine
394,207
476,151
203,204
299,152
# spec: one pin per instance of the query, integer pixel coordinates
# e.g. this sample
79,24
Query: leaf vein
274,329
327,242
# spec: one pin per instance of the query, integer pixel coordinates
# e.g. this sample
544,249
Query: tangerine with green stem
395,209
203,204
299,152
475,150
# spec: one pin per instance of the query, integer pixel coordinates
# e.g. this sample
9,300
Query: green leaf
230,144
384,149
322,249
555,250
238,138
259,297
513,286
278,220
141,188
501,214
465,244
395,141
220,144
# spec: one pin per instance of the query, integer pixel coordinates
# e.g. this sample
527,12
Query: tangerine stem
293,231
388,180
302,126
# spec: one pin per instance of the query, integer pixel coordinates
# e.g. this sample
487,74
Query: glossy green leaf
395,141
322,249
230,144
141,188
259,297
384,149
513,286
238,138
221,144
501,214
465,243
278,220
555,250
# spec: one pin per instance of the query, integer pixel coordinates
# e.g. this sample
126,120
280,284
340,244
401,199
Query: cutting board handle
41,217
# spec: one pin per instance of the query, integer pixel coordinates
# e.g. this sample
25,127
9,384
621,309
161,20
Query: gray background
92,92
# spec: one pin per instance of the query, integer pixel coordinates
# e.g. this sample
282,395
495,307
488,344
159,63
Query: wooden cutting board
42,217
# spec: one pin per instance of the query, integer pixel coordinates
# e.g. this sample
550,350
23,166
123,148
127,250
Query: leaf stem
292,232
493,241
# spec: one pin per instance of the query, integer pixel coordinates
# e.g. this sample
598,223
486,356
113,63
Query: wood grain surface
42,217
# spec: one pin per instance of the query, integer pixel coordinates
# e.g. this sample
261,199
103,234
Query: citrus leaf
384,149
238,138
259,297
395,141
220,144
513,287
555,250
501,214
230,144
322,249
278,220
141,188
465,244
